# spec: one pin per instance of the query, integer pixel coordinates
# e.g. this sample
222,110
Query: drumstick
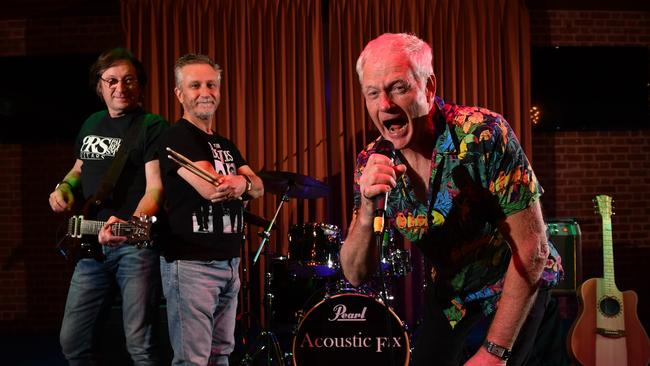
193,168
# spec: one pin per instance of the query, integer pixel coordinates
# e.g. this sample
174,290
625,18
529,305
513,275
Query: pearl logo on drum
341,314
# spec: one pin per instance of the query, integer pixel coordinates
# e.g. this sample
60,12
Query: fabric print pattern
99,147
224,163
232,221
202,220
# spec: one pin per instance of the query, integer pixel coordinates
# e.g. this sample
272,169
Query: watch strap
249,182
499,351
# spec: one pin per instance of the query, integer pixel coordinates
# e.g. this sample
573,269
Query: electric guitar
607,331
80,241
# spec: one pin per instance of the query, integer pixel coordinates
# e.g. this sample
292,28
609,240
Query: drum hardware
288,185
244,317
266,341
314,249
294,185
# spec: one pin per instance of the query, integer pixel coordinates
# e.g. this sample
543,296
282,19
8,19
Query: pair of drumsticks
189,165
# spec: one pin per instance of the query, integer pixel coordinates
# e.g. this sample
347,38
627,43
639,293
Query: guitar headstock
140,228
604,205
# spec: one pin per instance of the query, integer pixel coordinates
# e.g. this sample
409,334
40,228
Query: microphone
380,202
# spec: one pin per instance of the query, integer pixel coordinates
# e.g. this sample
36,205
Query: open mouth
396,125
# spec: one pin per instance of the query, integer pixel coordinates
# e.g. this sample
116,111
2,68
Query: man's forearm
516,300
525,231
149,203
358,254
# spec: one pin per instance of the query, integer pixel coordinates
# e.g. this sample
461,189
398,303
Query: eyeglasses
128,81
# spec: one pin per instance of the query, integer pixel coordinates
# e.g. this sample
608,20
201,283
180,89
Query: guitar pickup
74,226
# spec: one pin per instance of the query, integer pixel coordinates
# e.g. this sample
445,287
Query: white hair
418,52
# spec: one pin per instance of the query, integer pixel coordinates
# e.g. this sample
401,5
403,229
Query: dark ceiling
33,9
30,9
631,5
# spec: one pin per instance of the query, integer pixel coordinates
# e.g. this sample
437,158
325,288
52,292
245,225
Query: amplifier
564,233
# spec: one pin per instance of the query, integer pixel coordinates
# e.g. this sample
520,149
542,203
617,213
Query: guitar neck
608,254
79,226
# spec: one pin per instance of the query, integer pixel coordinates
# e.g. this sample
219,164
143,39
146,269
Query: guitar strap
107,183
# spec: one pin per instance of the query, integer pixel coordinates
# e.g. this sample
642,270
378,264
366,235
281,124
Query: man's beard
204,116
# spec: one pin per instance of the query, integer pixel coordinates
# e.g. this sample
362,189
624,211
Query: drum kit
333,321
346,324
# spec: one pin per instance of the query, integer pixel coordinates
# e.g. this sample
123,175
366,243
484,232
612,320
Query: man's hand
62,198
230,187
106,237
379,176
483,358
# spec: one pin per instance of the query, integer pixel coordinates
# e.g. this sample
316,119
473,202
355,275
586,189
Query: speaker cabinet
564,233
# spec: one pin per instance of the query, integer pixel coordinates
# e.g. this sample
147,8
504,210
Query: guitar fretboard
78,226
604,205
608,254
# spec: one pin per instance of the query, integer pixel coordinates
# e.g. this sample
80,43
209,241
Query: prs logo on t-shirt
223,160
99,147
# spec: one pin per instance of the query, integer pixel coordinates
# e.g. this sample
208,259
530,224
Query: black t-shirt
200,229
96,145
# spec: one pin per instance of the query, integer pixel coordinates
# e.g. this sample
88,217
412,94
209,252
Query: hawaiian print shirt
476,180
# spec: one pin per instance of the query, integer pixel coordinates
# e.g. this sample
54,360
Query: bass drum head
350,329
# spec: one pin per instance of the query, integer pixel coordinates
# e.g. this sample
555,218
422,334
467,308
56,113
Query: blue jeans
201,309
92,288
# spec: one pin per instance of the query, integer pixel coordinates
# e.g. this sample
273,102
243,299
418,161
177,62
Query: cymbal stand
266,341
266,234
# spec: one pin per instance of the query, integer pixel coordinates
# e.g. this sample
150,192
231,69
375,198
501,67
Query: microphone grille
386,148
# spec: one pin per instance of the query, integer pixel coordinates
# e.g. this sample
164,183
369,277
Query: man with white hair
472,201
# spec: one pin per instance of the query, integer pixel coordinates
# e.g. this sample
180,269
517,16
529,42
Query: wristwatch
249,182
499,351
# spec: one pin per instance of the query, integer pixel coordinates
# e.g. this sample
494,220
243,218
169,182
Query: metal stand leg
266,341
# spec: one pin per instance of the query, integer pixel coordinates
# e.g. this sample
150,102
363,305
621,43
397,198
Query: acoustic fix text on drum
351,327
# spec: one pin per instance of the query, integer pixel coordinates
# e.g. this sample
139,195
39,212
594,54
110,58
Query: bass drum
350,329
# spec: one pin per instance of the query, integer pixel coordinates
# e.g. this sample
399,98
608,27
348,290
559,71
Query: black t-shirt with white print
199,229
97,143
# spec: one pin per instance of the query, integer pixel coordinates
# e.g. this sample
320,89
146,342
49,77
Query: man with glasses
119,79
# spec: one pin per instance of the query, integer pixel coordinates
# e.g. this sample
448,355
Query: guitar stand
266,341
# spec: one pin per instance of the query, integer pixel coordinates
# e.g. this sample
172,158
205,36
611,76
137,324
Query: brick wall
64,35
590,28
33,277
576,166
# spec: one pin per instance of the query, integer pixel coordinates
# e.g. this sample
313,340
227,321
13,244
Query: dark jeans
438,344
136,274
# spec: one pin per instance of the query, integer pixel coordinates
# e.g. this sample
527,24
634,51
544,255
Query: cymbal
295,185
251,218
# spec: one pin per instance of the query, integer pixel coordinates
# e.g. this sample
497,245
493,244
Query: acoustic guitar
80,241
607,331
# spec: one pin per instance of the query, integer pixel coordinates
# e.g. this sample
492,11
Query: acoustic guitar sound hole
609,306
